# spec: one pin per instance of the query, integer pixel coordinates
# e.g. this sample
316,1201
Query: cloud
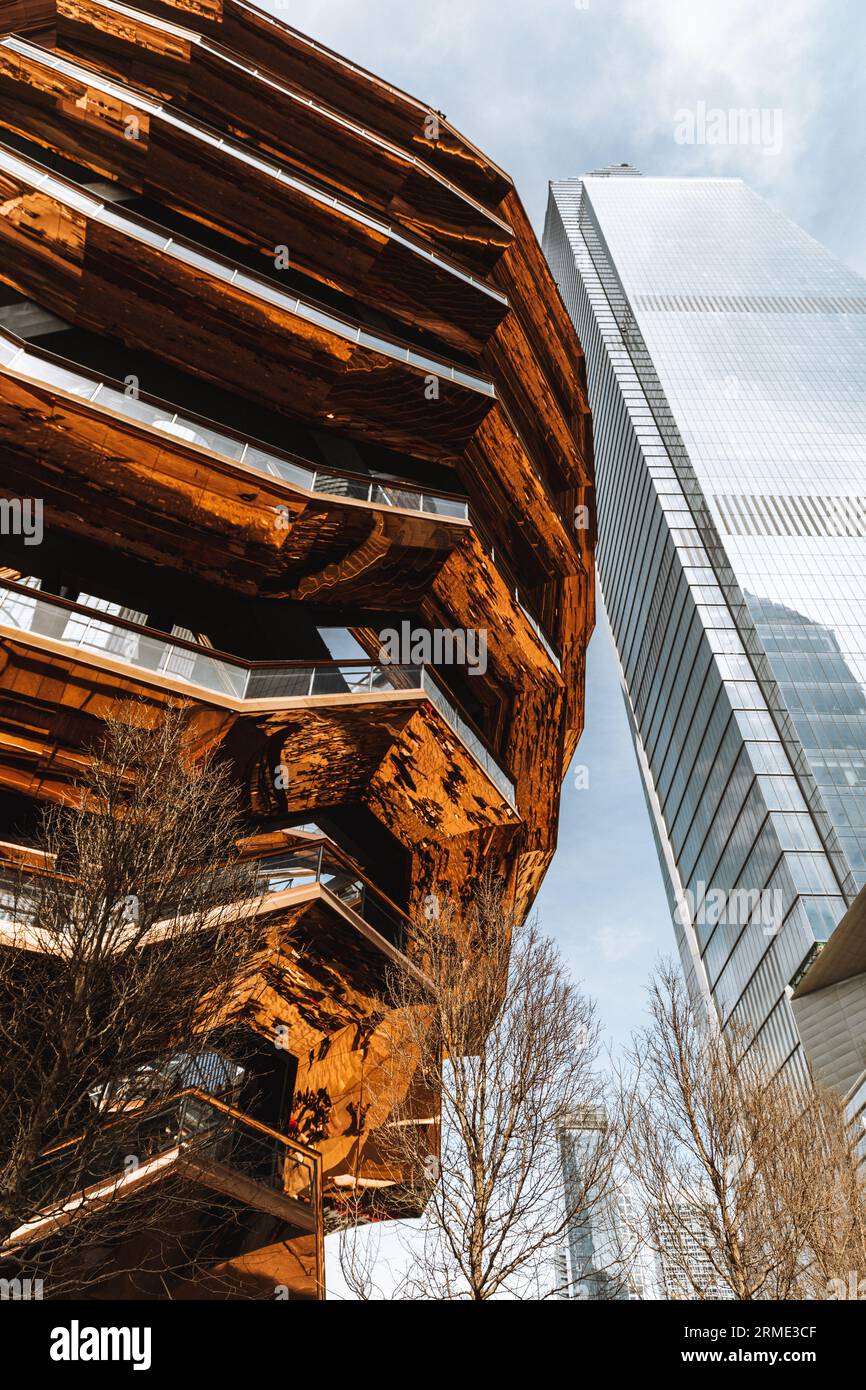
551,90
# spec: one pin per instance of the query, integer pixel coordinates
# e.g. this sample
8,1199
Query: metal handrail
334,872
274,873
79,71
284,465
176,658
202,1121
296,94
520,596
70,195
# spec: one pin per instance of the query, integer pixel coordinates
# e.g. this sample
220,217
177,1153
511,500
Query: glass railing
161,416
193,1122
323,865
20,895
320,863
16,903
241,154
271,81
467,735
89,630
537,629
138,229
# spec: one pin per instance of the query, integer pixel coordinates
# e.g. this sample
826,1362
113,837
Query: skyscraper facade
684,1262
607,1255
726,356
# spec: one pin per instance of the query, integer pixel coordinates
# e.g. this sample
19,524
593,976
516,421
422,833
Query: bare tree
502,1040
124,941
750,1185
836,1266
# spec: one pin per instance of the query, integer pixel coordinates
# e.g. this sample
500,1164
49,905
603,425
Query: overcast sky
550,89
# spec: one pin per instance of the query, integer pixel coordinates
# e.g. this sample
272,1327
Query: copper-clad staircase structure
284,367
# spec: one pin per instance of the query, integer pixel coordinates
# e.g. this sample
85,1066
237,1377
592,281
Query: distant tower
561,1287
608,1259
683,1264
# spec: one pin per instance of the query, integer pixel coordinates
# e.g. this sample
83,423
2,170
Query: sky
551,89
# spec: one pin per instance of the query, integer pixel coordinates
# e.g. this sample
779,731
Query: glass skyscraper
607,1256
726,355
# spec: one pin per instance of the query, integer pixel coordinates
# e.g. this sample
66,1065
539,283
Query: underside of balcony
389,749
117,274
73,111
374,103
205,81
215,1205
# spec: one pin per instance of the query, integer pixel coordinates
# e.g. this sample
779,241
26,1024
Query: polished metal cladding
304,419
